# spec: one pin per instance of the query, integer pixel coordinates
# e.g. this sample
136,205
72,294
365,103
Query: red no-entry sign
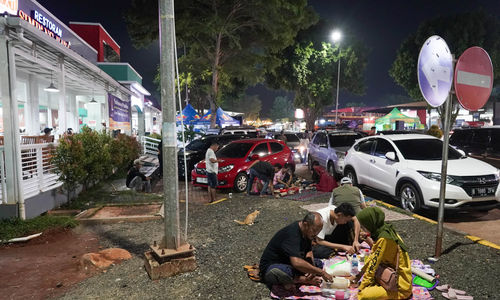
473,78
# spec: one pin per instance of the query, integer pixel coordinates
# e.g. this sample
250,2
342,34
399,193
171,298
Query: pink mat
314,293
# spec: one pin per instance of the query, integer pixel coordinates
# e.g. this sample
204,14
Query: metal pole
338,86
444,171
171,236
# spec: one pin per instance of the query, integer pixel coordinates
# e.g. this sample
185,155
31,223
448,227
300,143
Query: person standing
212,166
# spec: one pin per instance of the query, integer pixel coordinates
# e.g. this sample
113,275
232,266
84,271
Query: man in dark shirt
288,260
263,171
136,180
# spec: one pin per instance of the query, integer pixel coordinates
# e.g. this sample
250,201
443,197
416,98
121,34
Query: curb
475,239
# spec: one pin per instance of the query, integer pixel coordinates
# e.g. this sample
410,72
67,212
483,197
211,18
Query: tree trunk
215,81
310,116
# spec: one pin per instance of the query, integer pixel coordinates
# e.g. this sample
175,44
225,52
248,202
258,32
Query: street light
336,37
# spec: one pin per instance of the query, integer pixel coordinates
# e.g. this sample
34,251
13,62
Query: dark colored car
196,150
480,143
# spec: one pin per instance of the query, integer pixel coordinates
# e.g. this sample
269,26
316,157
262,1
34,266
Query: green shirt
348,194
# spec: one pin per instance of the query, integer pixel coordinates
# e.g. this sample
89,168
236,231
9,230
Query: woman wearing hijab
385,250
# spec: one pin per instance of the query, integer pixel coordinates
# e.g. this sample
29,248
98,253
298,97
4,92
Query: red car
237,156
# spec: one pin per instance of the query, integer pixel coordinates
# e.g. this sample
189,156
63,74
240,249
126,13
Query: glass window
316,139
382,148
110,54
275,147
198,145
424,149
292,138
481,138
261,150
322,139
234,150
342,140
495,140
461,138
365,146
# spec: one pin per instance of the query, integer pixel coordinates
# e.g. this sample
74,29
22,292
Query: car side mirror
390,156
462,152
254,157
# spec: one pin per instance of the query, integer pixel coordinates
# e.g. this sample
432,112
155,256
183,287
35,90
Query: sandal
454,296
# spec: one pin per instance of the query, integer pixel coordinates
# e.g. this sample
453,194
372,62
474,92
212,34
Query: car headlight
435,176
340,155
226,168
497,174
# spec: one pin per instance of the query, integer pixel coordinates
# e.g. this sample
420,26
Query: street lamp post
336,36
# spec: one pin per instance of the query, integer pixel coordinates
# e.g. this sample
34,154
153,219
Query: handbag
387,277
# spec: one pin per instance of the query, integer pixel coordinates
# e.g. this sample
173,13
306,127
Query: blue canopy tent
188,116
222,119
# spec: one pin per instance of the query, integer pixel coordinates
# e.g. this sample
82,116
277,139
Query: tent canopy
222,119
396,115
188,115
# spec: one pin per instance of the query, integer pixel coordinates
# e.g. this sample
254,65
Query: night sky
381,25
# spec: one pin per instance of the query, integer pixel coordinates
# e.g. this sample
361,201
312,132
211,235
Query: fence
149,145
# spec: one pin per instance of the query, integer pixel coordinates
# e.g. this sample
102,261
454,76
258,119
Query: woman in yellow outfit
388,244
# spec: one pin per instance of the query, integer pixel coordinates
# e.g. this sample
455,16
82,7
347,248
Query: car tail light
346,153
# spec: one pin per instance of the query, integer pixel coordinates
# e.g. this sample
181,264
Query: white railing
38,174
149,145
3,191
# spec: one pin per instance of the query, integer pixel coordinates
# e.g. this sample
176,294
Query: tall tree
249,105
282,108
309,68
228,40
460,31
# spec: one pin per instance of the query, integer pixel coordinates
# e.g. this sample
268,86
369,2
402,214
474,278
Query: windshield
198,145
292,138
234,150
346,140
424,149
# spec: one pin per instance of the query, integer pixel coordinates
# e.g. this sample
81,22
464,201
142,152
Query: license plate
486,191
202,180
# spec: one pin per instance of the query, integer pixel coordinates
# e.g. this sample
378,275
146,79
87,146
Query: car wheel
240,183
352,175
310,162
409,197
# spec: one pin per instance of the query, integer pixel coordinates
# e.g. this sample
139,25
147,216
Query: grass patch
15,227
103,194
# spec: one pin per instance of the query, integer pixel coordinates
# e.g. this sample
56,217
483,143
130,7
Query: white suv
408,166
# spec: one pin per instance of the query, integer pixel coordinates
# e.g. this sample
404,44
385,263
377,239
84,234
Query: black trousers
342,234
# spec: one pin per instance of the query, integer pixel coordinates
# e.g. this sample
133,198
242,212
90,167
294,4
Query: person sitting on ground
287,259
264,171
389,249
336,234
278,182
136,180
326,182
287,174
347,193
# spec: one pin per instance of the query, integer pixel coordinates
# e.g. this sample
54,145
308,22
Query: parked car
408,166
247,130
293,142
196,150
237,157
480,143
328,149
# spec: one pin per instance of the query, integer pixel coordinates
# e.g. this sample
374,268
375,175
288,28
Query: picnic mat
308,195
314,292
311,292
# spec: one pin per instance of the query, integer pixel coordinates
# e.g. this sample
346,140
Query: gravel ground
223,247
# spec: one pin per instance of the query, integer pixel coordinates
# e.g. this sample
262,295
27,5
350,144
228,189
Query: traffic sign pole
444,168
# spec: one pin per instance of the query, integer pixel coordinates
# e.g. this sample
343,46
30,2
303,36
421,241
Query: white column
12,150
33,112
141,128
72,112
62,98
